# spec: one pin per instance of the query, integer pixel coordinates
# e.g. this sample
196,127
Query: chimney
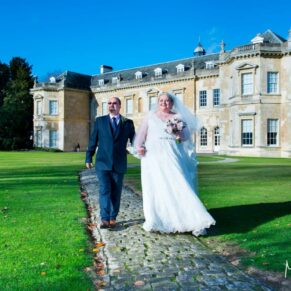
105,69
222,47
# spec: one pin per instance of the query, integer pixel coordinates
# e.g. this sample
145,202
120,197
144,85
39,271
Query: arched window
203,136
216,136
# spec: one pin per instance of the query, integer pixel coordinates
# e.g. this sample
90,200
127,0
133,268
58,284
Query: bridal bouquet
175,126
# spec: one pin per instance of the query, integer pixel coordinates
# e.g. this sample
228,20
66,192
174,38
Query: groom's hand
89,165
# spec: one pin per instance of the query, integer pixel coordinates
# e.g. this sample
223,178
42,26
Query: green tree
4,78
17,111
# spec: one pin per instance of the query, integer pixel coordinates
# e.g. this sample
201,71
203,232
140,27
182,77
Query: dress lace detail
169,197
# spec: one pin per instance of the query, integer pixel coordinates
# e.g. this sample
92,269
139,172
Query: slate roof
271,37
148,72
86,82
74,80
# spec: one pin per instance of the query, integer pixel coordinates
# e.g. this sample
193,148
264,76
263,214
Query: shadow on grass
243,218
39,176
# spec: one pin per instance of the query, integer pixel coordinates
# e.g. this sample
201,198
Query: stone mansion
242,98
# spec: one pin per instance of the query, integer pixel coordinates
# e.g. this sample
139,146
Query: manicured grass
43,240
44,244
251,203
208,158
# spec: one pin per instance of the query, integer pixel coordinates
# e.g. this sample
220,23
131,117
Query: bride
168,170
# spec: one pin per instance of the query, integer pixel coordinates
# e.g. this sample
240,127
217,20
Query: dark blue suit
111,161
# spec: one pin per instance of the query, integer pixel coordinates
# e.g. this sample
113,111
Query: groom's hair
117,98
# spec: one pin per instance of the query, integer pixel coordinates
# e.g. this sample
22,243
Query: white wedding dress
168,184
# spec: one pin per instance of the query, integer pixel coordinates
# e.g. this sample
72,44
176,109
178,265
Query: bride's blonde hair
167,94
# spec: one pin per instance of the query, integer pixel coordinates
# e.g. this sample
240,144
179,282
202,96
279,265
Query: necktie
114,124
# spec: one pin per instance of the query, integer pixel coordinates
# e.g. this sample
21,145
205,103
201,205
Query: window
272,82
129,106
53,139
203,136
53,107
152,102
38,108
158,72
104,108
247,132
180,68
140,105
216,97
203,98
52,79
272,134
179,93
38,138
101,82
138,75
209,65
247,84
216,136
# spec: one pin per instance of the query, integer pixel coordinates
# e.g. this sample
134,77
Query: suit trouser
110,187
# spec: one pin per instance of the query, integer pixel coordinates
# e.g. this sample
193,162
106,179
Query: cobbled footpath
136,259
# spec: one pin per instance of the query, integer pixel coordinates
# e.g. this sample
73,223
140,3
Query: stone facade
242,98
65,123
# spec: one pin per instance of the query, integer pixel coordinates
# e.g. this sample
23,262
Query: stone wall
76,115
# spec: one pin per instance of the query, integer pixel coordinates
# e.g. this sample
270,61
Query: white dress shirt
117,118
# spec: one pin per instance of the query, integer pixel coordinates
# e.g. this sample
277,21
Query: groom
110,136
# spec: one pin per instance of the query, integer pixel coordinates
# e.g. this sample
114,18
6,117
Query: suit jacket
111,147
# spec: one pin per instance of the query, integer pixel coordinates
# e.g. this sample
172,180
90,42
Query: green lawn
251,203
44,244
43,239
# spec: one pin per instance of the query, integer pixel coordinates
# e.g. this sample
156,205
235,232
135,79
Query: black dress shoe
104,224
112,223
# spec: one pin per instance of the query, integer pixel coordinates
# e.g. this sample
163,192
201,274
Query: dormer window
138,75
180,68
101,82
114,80
52,79
158,72
209,65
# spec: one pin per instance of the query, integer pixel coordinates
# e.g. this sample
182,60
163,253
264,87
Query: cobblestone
136,259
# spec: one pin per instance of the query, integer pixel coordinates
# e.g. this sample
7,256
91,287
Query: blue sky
81,35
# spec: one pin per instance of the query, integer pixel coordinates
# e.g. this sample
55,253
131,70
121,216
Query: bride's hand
141,151
184,134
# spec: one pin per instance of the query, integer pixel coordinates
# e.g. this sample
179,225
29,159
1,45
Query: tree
4,78
17,110
20,69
